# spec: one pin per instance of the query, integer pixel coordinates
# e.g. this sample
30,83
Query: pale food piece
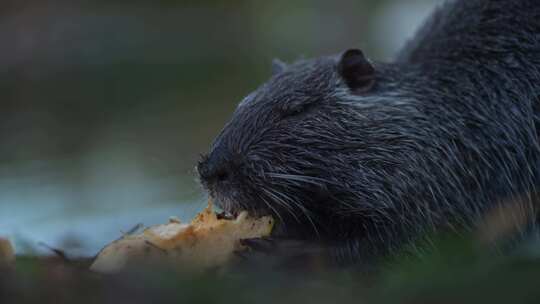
208,241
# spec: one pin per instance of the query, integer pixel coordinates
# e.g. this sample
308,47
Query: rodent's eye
293,108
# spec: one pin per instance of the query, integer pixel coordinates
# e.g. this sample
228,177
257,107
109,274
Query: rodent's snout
220,174
213,169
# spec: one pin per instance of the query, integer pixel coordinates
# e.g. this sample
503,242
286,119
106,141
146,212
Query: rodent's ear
356,71
278,66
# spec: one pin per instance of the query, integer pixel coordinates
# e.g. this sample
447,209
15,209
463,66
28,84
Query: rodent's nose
214,169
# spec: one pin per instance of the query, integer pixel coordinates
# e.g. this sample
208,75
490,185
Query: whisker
282,203
273,209
284,198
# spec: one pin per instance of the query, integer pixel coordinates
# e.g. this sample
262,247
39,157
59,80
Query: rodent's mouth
285,225
277,232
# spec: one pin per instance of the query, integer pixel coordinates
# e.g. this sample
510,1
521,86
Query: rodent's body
366,159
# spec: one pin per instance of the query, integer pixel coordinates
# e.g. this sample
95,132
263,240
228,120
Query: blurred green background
106,105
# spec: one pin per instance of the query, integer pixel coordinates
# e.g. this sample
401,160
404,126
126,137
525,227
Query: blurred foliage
454,272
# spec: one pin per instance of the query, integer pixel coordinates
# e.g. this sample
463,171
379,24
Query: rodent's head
291,147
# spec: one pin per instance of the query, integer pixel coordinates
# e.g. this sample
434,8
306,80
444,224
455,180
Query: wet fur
448,132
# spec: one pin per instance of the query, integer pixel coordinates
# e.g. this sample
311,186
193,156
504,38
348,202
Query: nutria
364,157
